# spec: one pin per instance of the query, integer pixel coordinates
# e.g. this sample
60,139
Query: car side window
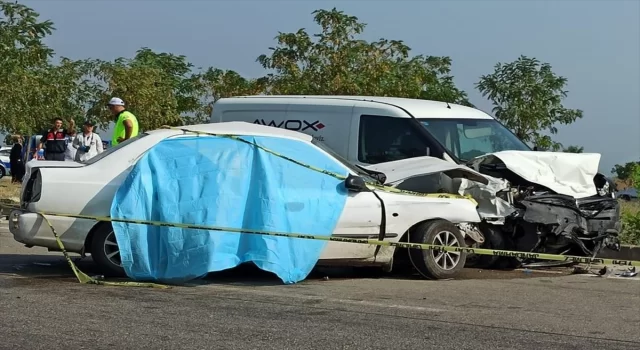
384,139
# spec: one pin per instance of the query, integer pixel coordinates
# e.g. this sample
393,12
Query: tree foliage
33,89
159,88
574,149
164,88
218,83
527,97
624,171
335,62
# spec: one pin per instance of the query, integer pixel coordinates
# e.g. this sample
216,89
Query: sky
594,44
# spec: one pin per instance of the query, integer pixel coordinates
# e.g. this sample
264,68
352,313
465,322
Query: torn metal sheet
404,169
536,201
432,175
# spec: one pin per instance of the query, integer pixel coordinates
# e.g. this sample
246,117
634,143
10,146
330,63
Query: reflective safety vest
120,130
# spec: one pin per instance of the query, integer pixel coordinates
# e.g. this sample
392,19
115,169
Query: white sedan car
88,189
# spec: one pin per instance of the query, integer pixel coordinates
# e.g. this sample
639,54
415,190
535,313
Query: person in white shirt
70,151
88,143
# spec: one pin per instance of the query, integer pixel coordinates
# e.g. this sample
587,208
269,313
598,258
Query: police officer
126,123
54,141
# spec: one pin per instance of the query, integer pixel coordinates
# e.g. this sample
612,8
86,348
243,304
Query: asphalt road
43,307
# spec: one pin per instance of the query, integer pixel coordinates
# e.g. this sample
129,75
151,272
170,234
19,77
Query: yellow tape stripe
421,246
86,279
326,172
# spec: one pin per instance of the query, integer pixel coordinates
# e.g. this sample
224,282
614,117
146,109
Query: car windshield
352,167
110,150
470,138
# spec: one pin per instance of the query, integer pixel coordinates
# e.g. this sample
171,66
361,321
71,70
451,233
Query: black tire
429,263
624,197
3,172
102,249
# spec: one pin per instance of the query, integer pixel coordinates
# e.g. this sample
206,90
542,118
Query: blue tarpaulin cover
218,181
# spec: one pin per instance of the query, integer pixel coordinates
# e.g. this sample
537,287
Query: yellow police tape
86,279
369,184
83,278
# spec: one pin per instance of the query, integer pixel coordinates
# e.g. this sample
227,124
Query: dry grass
9,192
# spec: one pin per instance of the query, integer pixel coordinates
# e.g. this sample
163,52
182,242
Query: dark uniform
55,144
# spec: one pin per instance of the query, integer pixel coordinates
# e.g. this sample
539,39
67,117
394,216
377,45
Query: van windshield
470,138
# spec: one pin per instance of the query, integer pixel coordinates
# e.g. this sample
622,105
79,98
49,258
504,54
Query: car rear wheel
434,264
105,251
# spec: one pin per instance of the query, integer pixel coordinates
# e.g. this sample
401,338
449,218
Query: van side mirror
356,184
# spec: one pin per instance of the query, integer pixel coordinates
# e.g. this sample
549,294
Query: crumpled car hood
564,173
400,170
458,178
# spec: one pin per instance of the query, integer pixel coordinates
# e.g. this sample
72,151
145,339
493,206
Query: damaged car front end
539,202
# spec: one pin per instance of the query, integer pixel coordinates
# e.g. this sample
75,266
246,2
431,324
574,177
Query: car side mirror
356,184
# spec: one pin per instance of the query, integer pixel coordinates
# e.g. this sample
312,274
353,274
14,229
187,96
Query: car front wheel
105,252
435,264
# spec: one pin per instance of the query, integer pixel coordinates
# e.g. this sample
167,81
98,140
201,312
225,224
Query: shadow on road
56,268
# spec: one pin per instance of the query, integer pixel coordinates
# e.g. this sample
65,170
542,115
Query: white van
371,130
401,138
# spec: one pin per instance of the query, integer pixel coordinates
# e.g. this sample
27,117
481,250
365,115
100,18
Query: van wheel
105,251
435,264
3,172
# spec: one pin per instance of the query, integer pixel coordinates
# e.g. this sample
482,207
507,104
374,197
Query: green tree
574,149
527,97
336,62
218,83
159,88
33,89
625,171
635,176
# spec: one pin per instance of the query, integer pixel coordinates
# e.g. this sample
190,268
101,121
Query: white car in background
88,189
5,164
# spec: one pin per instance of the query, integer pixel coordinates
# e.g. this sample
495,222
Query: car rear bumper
32,230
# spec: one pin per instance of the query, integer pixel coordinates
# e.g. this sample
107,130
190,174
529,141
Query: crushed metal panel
570,174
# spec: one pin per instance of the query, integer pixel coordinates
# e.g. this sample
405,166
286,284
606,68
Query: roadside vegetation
631,211
630,223
9,193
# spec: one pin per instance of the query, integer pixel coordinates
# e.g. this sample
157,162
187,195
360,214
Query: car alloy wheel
437,264
105,251
446,260
111,249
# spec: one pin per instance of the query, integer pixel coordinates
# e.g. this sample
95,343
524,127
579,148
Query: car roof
240,128
417,107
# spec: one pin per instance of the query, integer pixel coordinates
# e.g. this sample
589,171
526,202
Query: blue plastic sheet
218,181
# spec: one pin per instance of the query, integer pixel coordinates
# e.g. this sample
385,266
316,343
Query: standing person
70,151
54,141
15,159
126,122
88,143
